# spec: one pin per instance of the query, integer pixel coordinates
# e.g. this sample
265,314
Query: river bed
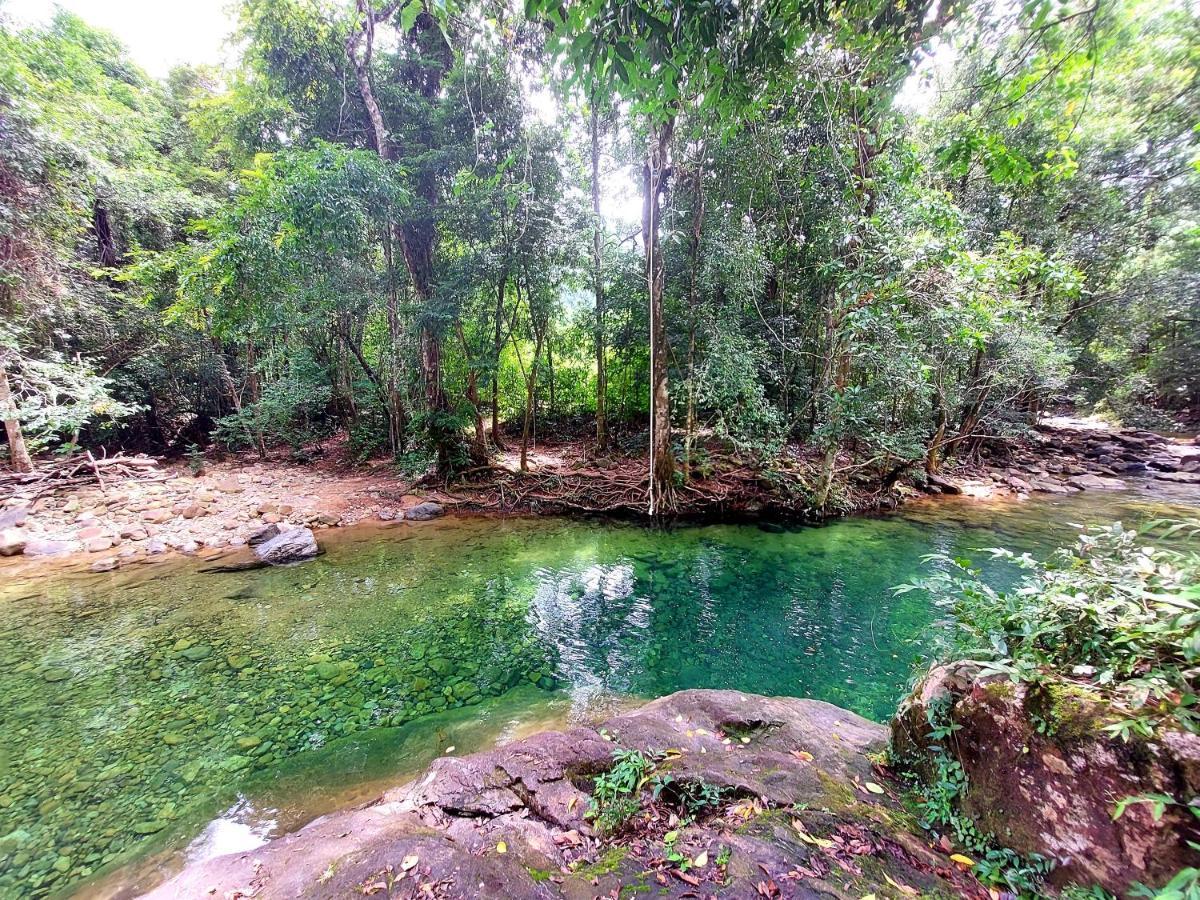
162,712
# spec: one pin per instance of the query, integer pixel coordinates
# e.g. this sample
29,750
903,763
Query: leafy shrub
616,797
1132,403
1115,607
291,411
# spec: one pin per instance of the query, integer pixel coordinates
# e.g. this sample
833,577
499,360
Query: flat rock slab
796,812
1096,483
1179,477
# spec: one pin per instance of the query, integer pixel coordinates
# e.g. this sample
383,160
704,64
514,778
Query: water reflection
137,704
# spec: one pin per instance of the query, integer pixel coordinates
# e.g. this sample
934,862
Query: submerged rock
1044,777
286,546
799,795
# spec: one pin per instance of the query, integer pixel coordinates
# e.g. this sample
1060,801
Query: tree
660,56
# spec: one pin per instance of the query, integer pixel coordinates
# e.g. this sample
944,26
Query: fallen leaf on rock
702,860
501,847
568,839
823,843
962,860
802,755
685,877
873,787
902,888
409,863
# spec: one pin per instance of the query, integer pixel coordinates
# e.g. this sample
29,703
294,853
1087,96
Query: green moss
839,796
1000,690
538,875
607,864
1077,711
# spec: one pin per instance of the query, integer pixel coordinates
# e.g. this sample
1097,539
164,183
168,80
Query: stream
162,713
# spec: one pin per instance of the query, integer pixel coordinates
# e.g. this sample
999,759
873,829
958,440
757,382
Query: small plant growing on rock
615,794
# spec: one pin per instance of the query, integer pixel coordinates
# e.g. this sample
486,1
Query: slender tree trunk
497,348
231,392
662,461
18,453
395,401
598,288
479,453
106,245
255,391
550,368
933,456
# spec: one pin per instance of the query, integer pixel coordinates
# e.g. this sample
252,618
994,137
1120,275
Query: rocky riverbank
739,795
170,509
786,802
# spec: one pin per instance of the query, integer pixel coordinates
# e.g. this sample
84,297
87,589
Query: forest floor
165,506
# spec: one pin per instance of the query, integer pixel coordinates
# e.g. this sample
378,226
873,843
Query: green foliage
1120,604
615,793
291,411
939,805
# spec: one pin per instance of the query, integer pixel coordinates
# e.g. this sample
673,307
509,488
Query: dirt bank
168,508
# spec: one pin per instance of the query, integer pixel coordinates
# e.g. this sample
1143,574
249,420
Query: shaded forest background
386,221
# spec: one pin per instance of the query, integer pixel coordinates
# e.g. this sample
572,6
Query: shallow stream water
162,712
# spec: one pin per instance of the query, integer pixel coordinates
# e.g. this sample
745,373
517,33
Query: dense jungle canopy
446,227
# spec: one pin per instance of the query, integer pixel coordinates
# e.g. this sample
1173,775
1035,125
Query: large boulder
802,815
284,546
424,511
1044,777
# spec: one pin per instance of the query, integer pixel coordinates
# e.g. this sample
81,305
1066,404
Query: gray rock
290,545
1045,486
1096,483
1179,477
264,534
423,511
13,518
12,542
36,547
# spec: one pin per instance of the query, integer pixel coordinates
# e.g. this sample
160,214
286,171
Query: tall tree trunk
550,367
417,235
933,455
395,400
693,308
18,453
255,391
662,461
598,288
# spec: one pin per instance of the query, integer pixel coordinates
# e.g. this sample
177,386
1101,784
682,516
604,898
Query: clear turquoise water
140,704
